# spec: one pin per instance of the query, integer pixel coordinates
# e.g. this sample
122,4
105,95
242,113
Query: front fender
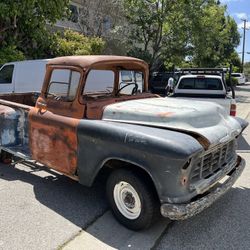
160,152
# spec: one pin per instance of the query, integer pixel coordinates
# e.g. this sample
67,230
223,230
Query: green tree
214,34
10,54
73,43
23,24
150,28
184,32
105,19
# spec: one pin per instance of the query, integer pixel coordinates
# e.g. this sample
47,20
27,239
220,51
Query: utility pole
244,40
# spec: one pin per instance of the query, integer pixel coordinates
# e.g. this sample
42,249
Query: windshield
103,81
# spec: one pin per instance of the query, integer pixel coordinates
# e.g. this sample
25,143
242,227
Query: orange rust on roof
102,61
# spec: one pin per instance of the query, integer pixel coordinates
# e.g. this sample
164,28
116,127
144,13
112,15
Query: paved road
41,209
226,224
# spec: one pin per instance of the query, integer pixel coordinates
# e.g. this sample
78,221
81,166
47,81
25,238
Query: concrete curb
106,233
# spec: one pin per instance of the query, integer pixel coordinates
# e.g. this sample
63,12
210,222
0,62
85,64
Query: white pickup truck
210,88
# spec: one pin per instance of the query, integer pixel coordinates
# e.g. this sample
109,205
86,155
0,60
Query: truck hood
206,121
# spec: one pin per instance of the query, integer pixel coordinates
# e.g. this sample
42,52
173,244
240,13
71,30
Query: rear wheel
133,202
5,157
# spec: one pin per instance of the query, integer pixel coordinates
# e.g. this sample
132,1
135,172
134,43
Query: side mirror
229,89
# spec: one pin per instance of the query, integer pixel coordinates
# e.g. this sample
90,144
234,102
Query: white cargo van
23,76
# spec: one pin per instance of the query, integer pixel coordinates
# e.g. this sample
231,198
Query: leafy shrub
10,54
73,43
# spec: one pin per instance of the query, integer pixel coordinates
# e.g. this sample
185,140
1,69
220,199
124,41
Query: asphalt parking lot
41,209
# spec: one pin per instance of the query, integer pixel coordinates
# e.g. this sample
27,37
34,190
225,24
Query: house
73,21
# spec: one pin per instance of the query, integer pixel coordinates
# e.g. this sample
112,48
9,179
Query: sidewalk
243,110
243,100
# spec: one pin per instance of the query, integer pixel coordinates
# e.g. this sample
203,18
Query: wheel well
114,164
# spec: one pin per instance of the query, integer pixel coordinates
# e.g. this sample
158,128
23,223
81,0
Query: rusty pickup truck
94,115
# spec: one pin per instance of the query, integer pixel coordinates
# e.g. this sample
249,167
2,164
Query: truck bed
22,98
14,110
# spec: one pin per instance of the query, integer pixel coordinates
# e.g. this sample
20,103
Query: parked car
204,86
161,154
22,76
240,77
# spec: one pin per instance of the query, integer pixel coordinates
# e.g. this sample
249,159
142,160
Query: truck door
7,78
54,120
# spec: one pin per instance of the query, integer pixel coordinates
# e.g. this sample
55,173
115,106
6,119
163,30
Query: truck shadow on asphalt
224,225
225,221
80,205
76,203
243,144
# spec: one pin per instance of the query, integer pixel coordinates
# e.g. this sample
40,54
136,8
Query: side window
6,74
99,81
63,84
129,79
73,13
139,79
126,76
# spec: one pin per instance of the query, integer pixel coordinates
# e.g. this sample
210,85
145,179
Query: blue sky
240,9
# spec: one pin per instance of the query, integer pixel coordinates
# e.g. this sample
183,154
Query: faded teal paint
209,120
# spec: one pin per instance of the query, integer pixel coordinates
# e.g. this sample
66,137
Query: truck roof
101,61
201,76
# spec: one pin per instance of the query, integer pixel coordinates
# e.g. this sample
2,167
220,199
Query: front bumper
185,211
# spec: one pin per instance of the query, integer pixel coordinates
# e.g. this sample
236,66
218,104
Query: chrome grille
213,161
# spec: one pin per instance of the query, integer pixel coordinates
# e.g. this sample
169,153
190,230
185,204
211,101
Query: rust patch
165,114
53,140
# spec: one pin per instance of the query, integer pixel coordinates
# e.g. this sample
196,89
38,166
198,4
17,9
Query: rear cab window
200,86
6,74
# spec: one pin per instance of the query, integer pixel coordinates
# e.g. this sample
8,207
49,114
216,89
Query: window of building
106,24
74,13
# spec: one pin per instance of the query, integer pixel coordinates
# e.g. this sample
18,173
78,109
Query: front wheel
133,202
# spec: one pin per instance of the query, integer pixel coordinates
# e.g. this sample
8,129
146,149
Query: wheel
133,202
5,157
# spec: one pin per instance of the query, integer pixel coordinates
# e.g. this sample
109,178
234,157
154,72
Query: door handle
42,105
